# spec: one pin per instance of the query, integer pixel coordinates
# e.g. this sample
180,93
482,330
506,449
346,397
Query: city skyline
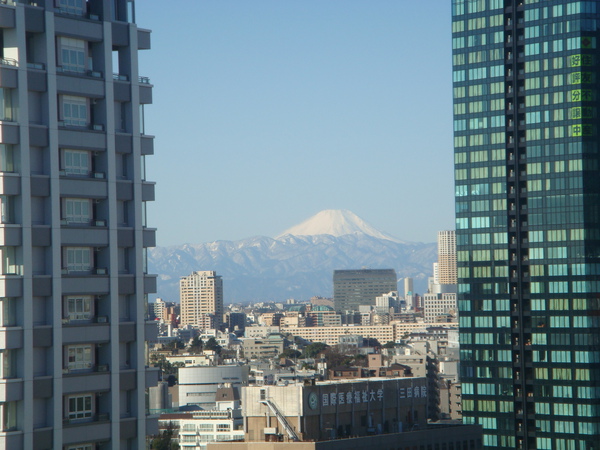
271,95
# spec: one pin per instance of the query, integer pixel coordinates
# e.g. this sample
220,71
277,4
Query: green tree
213,345
164,441
165,366
290,353
389,344
197,345
312,350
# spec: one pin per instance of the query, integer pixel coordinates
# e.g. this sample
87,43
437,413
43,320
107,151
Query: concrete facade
198,385
73,232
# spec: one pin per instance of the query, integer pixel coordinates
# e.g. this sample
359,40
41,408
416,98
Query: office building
354,413
446,263
436,305
352,288
73,279
201,299
528,224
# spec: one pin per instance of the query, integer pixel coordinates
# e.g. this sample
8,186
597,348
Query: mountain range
298,263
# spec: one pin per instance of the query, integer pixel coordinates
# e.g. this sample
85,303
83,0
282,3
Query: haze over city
278,110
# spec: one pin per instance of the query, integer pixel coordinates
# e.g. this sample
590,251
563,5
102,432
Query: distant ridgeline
297,264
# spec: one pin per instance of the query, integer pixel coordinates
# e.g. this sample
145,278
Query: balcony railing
9,62
38,66
89,126
88,73
120,77
84,272
144,80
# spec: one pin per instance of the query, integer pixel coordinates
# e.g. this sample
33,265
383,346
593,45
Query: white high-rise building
201,299
446,264
73,236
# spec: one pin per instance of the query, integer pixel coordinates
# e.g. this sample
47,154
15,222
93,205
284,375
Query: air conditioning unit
100,271
102,319
99,175
103,368
100,223
98,127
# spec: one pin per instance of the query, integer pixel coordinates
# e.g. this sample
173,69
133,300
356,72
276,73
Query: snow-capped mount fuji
299,263
336,222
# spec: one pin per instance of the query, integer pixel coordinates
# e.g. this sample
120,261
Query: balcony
71,137
84,272
88,126
76,12
77,223
94,175
81,73
90,333
97,429
9,62
83,320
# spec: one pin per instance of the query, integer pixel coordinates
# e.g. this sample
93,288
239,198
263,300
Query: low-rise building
270,347
330,335
223,423
334,409
198,385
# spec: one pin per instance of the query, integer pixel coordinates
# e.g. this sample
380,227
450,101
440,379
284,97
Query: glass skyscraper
526,103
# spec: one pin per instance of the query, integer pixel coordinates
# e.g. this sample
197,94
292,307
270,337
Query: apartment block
446,263
201,299
73,232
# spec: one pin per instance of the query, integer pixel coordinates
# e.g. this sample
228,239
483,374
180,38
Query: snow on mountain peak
336,222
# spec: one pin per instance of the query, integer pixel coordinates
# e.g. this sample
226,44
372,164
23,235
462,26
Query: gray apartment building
352,288
73,236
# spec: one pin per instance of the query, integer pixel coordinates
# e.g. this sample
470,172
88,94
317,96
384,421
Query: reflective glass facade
526,104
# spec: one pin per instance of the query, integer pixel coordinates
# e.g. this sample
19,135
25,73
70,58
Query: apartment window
6,158
72,7
72,54
7,363
6,110
79,407
8,413
79,357
77,210
80,307
76,162
8,311
9,260
79,259
74,110
7,207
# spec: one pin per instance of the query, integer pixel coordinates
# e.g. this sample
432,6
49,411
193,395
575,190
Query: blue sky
268,111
